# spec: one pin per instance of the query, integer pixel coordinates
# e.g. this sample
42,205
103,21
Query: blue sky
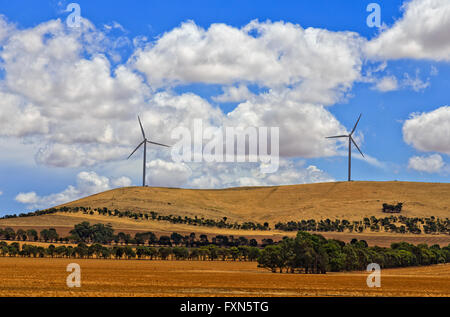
33,174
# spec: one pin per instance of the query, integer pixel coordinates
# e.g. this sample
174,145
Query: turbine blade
142,129
136,149
336,136
354,128
151,142
357,146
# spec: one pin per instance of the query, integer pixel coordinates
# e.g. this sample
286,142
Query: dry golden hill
343,200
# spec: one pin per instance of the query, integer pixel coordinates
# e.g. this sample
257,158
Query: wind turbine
144,142
350,140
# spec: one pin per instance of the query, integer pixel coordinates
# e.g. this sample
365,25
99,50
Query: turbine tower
144,142
350,141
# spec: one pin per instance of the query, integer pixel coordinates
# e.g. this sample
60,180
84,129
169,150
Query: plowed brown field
47,277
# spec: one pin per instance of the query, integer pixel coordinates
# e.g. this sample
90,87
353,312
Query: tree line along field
394,224
306,253
63,223
112,278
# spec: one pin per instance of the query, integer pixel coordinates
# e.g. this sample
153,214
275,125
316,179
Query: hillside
344,200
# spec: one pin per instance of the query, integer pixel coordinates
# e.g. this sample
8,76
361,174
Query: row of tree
152,215
312,253
31,235
396,224
104,234
98,251
306,253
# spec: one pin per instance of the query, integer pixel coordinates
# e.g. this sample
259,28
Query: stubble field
47,277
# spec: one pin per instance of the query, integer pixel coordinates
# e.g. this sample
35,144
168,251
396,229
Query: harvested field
47,277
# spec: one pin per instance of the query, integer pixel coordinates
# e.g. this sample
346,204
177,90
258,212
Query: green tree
253,253
180,253
21,234
51,250
234,252
81,232
270,258
164,252
9,233
165,240
32,235
176,238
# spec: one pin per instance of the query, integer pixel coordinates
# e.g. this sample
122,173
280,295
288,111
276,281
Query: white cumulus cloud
30,198
303,126
249,174
430,164
270,54
167,174
415,83
234,94
387,83
422,33
429,131
78,109
87,183
121,182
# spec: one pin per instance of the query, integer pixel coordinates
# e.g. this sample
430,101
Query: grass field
47,277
